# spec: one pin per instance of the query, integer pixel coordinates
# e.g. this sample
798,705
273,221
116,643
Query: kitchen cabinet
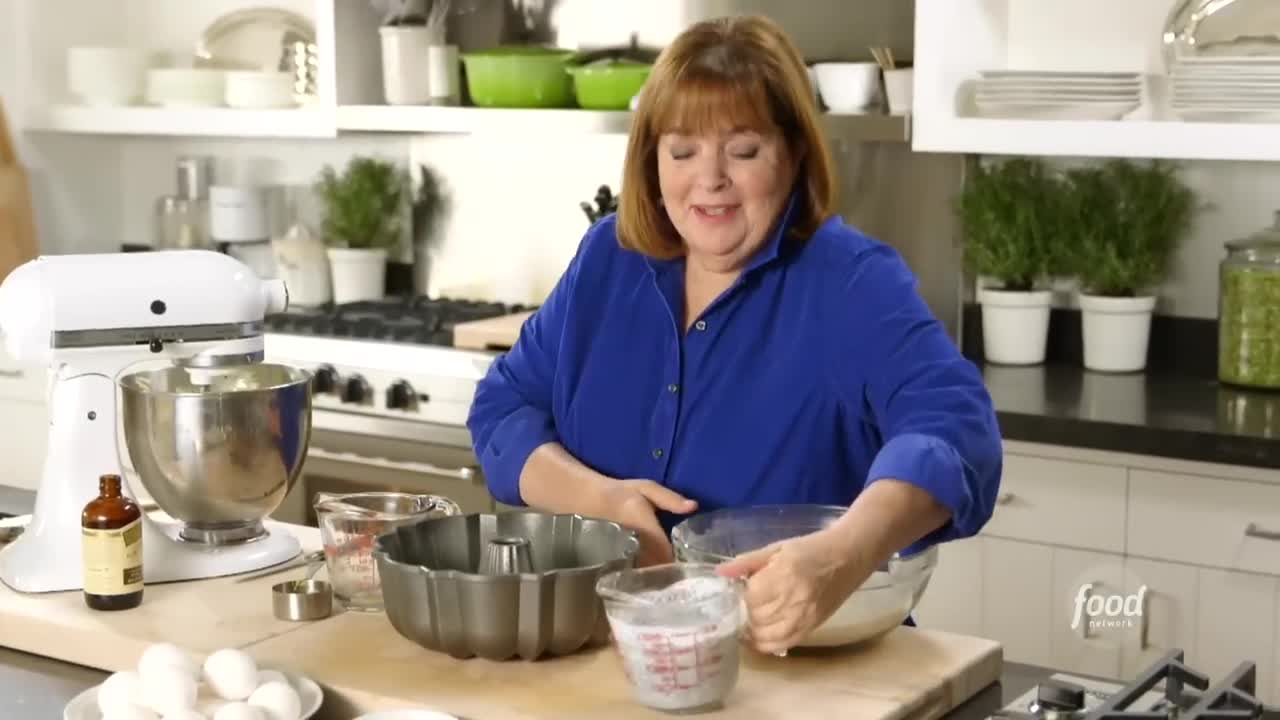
24,424
1169,619
958,39
1016,598
348,66
1175,528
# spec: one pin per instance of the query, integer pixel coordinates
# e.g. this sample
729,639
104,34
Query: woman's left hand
793,586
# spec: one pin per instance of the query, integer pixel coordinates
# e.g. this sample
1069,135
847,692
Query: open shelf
1170,139
446,119
958,39
442,119
191,122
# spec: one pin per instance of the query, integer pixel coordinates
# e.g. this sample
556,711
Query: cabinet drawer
1061,502
1218,523
21,383
24,428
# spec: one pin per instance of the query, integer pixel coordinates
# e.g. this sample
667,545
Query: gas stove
387,367
1166,689
414,320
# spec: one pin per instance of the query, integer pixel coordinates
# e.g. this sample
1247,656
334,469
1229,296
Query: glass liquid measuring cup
349,524
677,629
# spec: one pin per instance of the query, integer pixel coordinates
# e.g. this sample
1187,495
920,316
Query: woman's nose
711,174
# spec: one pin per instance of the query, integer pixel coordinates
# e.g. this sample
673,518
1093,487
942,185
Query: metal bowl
219,454
881,604
463,585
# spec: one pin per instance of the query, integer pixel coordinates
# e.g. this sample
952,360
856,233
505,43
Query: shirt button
657,452
701,325
673,388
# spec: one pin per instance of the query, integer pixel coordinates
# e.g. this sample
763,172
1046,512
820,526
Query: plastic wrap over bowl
498,586
881,604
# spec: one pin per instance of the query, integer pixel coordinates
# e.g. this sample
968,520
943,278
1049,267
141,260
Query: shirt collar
767,252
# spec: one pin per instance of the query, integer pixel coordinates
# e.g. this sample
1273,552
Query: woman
724,341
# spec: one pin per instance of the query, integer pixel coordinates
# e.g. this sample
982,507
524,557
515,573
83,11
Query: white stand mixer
87,318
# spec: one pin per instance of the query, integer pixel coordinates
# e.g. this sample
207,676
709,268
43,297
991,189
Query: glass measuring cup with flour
349,523
677,630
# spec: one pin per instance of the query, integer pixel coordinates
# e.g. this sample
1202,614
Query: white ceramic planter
406,78
358,274
1015,325
1116,331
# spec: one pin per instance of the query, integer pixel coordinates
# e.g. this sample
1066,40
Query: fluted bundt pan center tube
498,586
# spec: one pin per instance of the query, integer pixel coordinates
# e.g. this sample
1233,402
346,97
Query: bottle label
113,559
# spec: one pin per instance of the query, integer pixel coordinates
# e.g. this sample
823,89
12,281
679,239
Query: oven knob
400,396
325,379
1059,696
355,390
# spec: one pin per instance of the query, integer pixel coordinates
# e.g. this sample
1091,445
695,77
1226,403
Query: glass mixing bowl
881,604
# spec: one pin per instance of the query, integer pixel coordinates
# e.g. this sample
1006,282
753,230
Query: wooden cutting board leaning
498,333
17,219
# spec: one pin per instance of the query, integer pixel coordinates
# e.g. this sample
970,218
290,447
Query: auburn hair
723,74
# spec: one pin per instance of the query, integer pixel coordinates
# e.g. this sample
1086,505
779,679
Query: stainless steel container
437,593
218,456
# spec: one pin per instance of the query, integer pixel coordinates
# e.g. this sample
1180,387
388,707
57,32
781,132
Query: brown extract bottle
111,546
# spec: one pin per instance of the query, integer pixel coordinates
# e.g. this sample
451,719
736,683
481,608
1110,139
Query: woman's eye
681,154
746,153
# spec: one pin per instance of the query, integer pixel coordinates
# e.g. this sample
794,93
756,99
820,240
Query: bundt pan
498,586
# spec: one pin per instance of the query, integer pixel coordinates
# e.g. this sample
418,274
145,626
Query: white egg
130,712
168,688
266,676
118,690
231,674
239,711
184,715
167,655
278,701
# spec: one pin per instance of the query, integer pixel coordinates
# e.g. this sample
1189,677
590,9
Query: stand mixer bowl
218,449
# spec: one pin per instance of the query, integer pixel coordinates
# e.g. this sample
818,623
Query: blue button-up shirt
819,371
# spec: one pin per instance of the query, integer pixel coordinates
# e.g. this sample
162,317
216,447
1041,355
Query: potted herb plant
365,208
1127,221
1009,214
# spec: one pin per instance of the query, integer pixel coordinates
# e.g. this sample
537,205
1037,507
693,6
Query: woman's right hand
631,503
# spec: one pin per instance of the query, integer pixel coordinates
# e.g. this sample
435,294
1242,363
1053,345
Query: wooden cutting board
365,665
200,616
498,333
17,219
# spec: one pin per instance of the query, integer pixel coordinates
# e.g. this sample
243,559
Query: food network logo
1107,611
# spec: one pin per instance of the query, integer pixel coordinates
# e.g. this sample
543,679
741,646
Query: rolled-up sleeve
511,412
928,402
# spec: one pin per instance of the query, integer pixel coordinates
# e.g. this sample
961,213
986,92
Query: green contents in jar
1249,326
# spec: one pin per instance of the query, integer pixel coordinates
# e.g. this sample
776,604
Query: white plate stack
1046,95
1226,89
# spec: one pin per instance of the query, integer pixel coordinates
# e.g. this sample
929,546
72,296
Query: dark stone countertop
1166,415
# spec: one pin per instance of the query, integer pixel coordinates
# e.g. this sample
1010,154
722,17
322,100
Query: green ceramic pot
608,85
519,77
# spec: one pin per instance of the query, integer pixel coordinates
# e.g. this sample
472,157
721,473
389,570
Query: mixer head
198,307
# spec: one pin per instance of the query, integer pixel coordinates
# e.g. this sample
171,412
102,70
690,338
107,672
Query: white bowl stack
1241,88
1048,95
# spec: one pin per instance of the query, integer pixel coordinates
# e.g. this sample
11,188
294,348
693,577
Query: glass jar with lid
1249,311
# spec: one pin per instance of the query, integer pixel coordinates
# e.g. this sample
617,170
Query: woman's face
724,192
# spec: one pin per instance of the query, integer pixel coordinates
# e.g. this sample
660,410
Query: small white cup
107,75
848,87
899,85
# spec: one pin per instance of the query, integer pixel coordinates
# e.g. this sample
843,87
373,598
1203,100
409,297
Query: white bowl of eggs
168,684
